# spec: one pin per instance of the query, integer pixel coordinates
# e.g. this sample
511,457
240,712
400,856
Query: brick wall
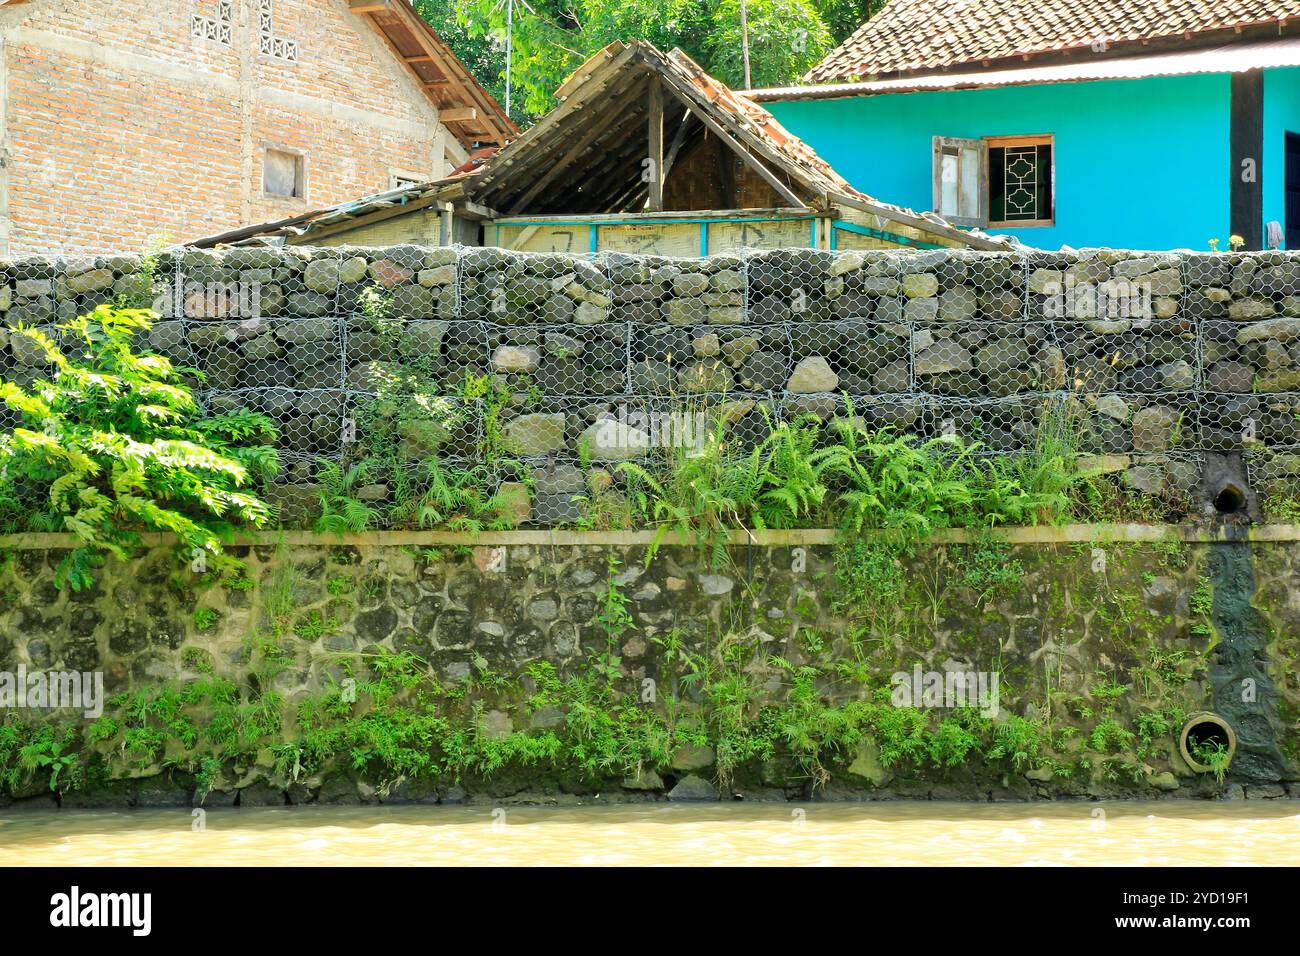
120,126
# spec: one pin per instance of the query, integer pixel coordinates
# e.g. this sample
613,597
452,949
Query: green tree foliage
786,38
553,37
843,17
481,53
115,444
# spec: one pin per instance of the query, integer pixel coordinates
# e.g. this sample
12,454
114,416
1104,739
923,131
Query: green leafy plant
50,750
342,511
117,444
615,619
707,490
1213,754
1201,609
990,570
463,499
206,618
892,481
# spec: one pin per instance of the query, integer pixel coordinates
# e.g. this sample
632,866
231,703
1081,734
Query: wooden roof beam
600,148
385,15
689,94
605,201
678,138
510,165
586,140
596,200
654,163
513,176
623,168
551,120
628,197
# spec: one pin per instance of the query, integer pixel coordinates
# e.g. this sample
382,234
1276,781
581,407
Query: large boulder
608,439
693,789
1154,428
813,374
535,434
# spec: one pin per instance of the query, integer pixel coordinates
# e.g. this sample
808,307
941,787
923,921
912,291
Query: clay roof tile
908,36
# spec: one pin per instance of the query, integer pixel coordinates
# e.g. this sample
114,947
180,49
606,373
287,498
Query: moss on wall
340,673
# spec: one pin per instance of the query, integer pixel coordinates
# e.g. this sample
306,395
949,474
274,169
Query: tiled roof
919,35
749,116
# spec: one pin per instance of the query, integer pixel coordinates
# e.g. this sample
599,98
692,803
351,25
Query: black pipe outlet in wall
1224,493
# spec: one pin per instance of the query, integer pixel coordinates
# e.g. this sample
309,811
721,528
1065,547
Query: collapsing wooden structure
645,153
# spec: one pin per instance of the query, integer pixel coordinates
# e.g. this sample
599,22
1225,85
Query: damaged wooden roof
464,107
589,154
626,110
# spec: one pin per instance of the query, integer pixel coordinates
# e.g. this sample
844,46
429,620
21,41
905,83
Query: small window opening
282,174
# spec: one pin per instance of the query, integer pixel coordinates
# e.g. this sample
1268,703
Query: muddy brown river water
880,834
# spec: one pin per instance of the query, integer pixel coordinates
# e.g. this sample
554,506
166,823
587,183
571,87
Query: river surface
877,834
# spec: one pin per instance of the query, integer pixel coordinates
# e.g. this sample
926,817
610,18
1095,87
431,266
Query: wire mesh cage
546,370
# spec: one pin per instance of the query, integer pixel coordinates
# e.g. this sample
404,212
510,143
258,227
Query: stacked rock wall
1173,357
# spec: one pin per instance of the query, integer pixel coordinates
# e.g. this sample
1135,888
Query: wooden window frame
936,171
300,194
1035,139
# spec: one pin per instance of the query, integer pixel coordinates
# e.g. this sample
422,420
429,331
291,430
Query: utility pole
510,47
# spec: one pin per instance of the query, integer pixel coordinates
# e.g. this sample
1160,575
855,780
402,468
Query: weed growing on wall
707,491
113,443
387,718
409,472
432,452
800,712
808,474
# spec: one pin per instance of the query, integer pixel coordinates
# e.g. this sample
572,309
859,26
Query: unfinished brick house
131,122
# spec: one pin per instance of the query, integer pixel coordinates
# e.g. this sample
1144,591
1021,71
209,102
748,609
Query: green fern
705,491
341,510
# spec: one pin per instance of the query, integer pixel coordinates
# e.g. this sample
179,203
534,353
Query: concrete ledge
1041,534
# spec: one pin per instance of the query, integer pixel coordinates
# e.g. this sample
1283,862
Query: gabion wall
1173,356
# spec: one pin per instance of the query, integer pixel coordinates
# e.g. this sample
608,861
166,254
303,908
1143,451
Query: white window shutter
960,172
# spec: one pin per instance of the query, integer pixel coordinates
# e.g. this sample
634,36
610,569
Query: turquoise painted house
1122,123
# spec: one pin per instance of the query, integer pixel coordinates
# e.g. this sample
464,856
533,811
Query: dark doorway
1293,191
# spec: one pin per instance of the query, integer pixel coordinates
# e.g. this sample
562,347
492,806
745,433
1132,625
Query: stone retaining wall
1174,356
1086,637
